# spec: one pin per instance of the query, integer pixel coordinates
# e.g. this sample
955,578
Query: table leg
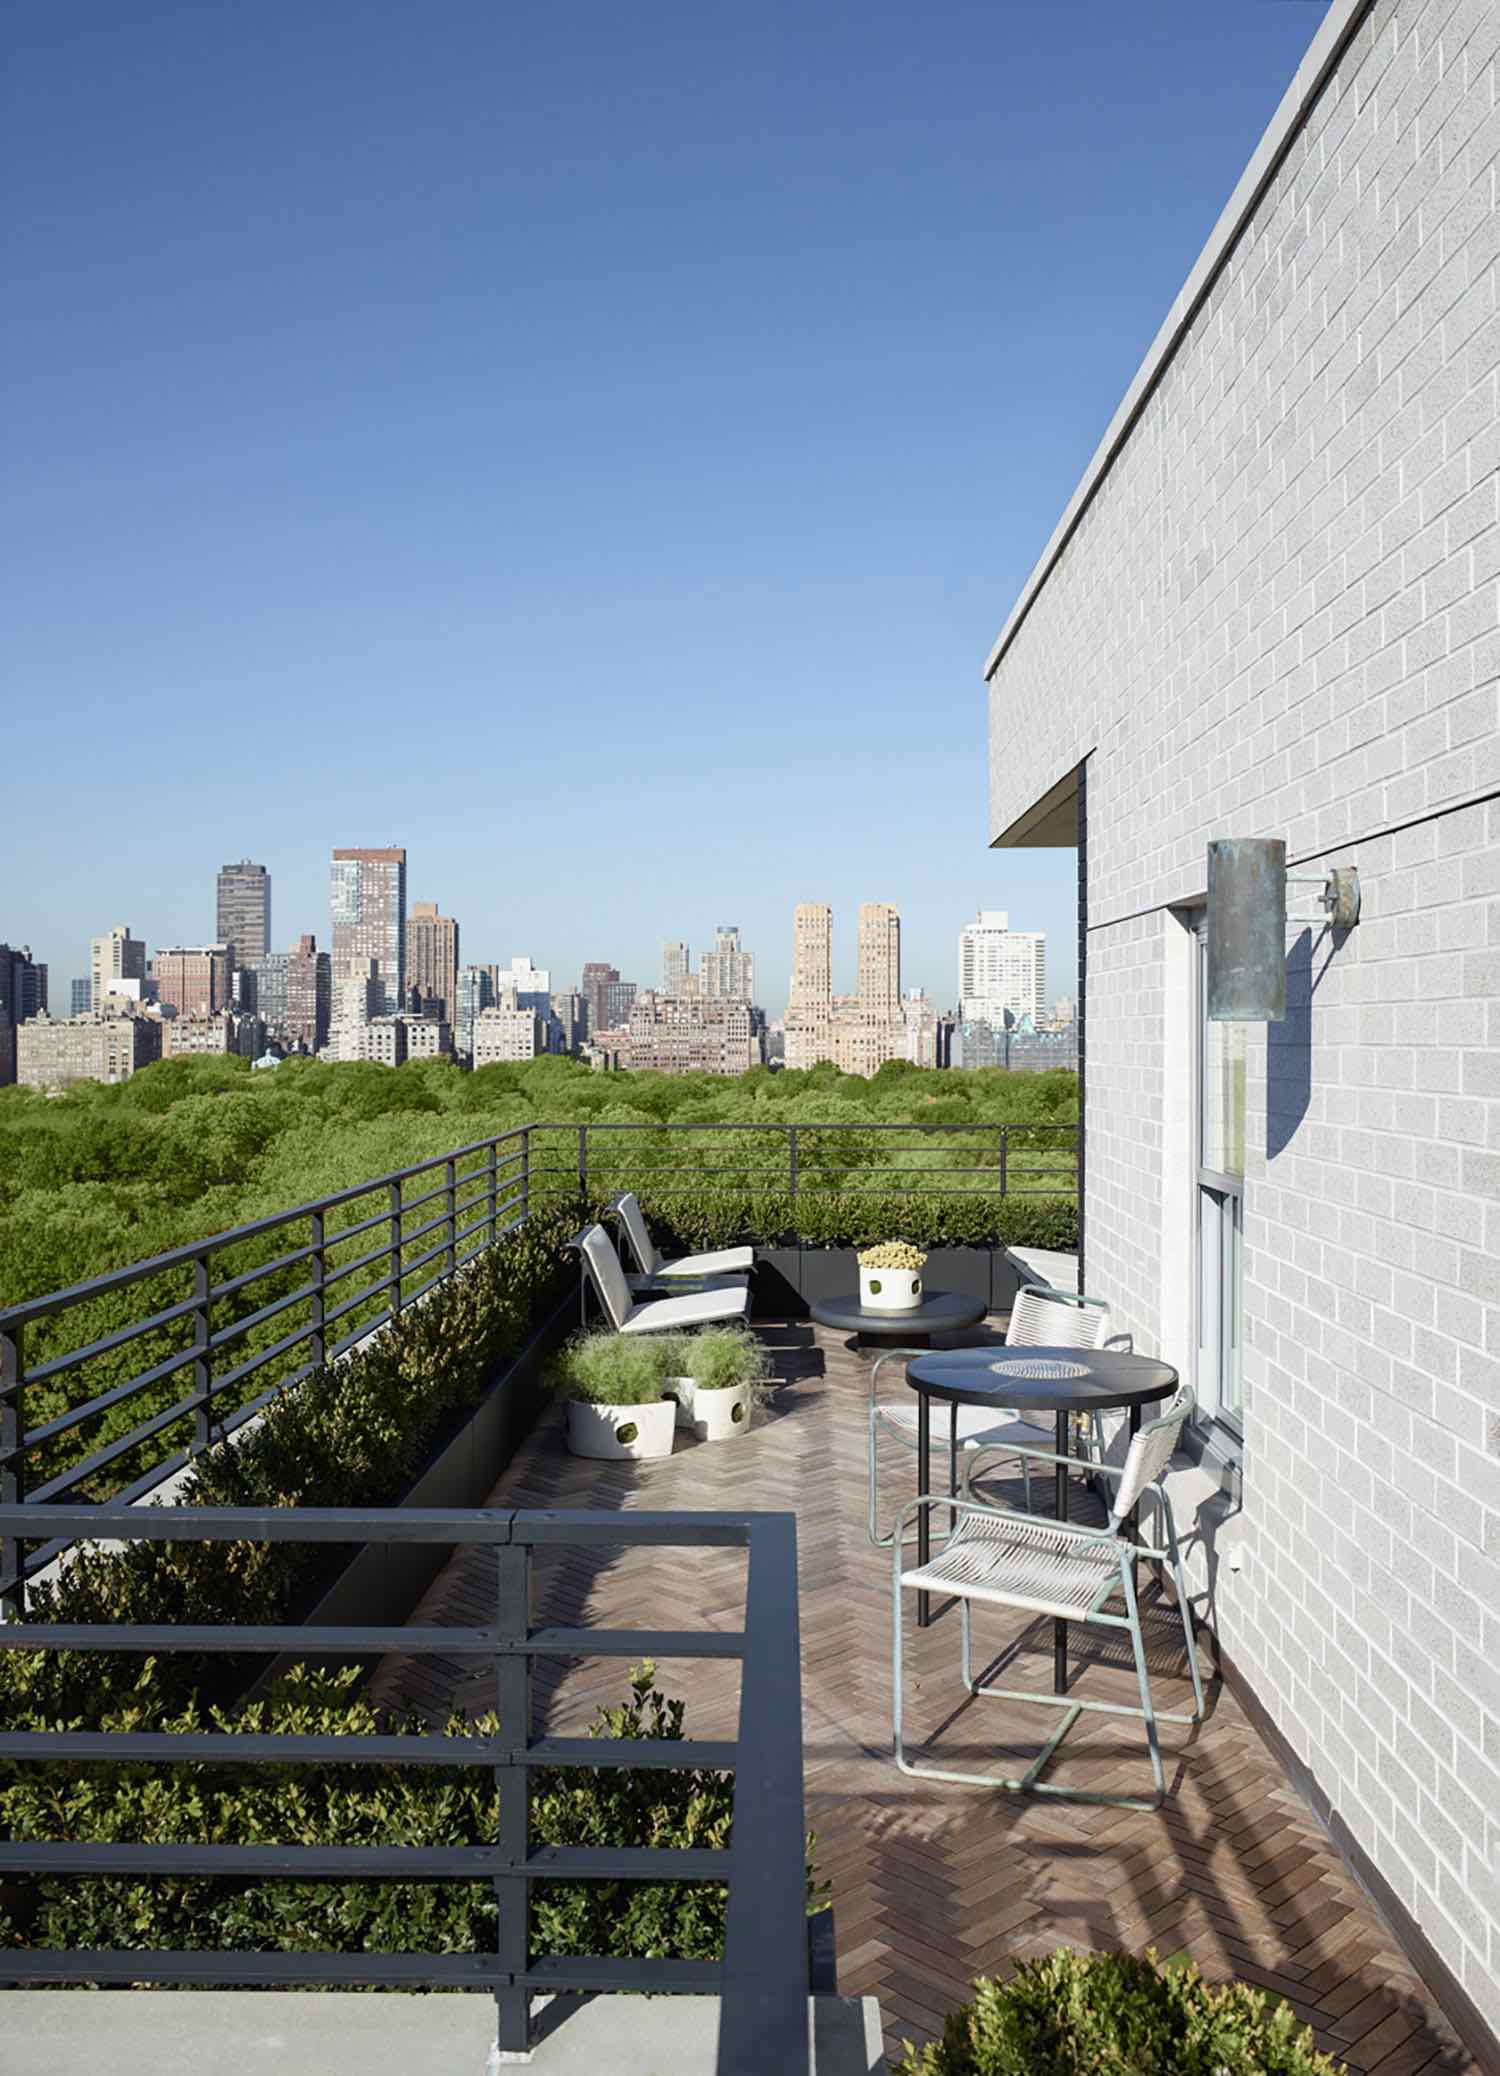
1060,1510
1133,1521
924,1530
952,1459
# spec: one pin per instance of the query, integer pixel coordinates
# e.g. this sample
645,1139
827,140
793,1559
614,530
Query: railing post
526,1171
202,1364
12,1474
451,1257
393,1271
512,1789
319,1278
583,1164
791,1160
492,1192
1004,1157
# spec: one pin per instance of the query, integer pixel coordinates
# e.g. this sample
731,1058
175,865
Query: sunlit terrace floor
934,1885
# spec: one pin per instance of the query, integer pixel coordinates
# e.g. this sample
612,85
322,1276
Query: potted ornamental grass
617,1396
890,1277
718,1377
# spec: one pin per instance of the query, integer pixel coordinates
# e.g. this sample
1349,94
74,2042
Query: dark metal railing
763,1976
1008,1159
241,1317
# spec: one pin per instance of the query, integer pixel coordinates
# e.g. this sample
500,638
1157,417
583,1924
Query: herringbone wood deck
933,1885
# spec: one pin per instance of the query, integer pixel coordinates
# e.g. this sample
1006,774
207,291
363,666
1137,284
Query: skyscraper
879,963
810,1007
23,994
728,971
368,902
676,965
432,958
597,976
115,956
243,915
1000,969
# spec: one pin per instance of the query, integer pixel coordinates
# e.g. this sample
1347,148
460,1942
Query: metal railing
1006,1159
243,1316
763,1977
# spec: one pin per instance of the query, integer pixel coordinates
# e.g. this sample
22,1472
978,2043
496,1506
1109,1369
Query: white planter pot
713,1416
890,1290
616,1431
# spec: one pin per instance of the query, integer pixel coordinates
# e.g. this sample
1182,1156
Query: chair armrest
1067,1297
891,1355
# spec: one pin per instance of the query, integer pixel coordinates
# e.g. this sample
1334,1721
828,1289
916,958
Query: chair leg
1189,1636
966,1653
1138,1644
881,1542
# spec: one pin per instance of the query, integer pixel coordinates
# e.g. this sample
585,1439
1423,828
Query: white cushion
694,1308
727,1261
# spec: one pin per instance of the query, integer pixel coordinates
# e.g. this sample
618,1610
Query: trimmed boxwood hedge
688,1221
351,1435
1111,2014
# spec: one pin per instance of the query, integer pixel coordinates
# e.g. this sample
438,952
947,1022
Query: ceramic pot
713,1416
890,1290
616,1431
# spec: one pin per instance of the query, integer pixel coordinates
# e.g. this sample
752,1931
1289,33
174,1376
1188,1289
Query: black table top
940,1312
1071,1379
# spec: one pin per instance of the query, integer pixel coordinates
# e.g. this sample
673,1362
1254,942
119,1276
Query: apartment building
432,959
242,911
1001,972
367,902
691,1035
54,1052
114,957
506,1032
193,980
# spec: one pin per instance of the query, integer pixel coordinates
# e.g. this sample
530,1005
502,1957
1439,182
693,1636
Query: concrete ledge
345,2033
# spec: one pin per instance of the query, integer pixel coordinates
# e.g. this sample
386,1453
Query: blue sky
592,446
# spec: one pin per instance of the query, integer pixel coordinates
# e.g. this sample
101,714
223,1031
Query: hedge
353,1434
687,1221
1076,2014
355,1805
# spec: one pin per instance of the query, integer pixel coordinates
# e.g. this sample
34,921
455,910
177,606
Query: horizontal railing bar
352,1232
585,1526
357,1334
176,1257
361,1297
228,1335
260,1358
126,1964
76,1416
253,1748
741,1125
79,1473
107,1342
46,1856
122,1524
361,1261
243,1282
250,1637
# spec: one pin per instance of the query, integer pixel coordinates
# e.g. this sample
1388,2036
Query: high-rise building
115,956
597,975
858,1032
616,1000
23,994
432,958
291,992
193,979
879,963
532,984
921,1022
727,973
570,1017
80,996
810,1006
243,911
474,991
367,890
1000,970
676,965
54,1052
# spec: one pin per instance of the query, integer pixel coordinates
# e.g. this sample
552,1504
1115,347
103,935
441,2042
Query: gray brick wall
1280,615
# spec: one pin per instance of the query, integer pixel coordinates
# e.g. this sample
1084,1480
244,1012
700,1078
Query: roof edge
1338,29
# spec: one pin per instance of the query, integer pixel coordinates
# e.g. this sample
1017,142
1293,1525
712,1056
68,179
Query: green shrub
687,1221
216,1803
1117,2015
351,1435
603,1368
721,1357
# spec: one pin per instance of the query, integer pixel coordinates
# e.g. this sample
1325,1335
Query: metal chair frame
879,1420
1128,1553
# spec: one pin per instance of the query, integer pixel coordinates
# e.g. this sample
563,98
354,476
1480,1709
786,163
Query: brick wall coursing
1281,615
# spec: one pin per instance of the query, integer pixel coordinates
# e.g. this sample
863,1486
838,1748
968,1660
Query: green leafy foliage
358,1805
720,1358
351,1435
1076,2014
603,1368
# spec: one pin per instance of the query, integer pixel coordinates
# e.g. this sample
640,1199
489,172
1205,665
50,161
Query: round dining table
1041,1380
936,1312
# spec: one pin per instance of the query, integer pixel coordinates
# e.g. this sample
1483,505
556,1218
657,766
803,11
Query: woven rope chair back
1150,1451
